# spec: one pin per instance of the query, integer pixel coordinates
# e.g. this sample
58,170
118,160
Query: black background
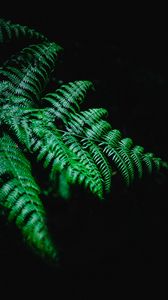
121,242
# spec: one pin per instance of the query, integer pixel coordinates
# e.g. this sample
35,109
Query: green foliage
19,196
75,146
26,74
10,32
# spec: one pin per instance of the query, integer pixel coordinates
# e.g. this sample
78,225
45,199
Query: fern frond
88,141
10,32
89,127
77,147
19,196
26,74
99,131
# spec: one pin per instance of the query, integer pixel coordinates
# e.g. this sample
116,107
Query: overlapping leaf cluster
80,145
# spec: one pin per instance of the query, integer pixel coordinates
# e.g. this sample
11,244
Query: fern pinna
80,147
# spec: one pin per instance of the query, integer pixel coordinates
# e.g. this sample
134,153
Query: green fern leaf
19,197
94,143
76,147
27,74
10,31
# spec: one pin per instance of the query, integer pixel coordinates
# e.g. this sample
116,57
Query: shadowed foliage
76,146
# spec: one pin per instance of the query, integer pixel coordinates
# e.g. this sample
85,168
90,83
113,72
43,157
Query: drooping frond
86,148
76,147
90,129
96,130
129,159
25,75
10,32
19,197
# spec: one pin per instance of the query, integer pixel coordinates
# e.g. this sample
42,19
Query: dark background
122,241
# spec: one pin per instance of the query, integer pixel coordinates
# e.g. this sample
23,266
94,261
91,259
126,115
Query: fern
85,142
19,196
10,32
75,146
25,75
67,98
